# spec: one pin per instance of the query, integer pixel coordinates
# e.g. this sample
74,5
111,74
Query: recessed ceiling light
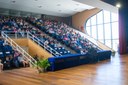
13,1
58,4
59,10
118,5
77,4
39,6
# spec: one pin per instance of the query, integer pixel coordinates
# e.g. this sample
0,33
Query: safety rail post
35,39
19,49
39,42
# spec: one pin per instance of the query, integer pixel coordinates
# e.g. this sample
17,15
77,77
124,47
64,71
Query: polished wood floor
110,72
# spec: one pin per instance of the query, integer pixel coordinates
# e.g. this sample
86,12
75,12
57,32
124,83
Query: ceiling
54,7
99,4
112,2
50,7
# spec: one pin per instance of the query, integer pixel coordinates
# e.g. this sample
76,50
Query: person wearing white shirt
22,60
1,65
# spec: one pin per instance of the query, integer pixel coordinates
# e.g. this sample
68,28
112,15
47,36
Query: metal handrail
29,35
18,48
93,41
34,38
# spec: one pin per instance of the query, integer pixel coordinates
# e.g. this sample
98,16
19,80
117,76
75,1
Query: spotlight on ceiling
77,4
13,1
59,10
58,4
39,6
75,9
118,5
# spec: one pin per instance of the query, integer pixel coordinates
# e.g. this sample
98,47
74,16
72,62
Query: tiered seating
8,24
19,25
87,52
5,51
65,34
16,24
53,44
11,58
1,49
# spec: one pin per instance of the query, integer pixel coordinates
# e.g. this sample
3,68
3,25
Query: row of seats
64,34
53,44
5,49
19,25
11,58
87,52
58,30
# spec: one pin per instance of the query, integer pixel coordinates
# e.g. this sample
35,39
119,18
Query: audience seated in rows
58,30
53,44
16,24
64,33
12,59
19,25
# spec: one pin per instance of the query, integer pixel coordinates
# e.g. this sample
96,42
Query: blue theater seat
1,54
7,50
1,42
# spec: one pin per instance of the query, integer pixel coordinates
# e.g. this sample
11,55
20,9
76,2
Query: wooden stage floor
110,72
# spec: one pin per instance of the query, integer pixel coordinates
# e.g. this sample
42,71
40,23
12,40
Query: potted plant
42,65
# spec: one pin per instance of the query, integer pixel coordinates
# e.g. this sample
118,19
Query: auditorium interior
63,42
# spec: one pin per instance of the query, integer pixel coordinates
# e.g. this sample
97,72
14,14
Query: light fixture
77,4
59,10
118,5
58,5
39,6
13,1
75,9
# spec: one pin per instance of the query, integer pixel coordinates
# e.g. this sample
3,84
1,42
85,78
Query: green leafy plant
42,65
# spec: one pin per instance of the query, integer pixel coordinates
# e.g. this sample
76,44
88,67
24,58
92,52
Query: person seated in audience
83,51
23,61
7,63
58,45
36,57
21,32
15,59
11,61
46,43
1,65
